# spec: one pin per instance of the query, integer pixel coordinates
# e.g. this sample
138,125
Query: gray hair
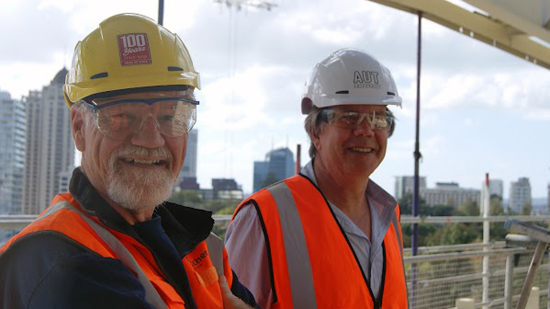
314,124
80,106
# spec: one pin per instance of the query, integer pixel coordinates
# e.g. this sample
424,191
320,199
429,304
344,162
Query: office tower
405,184
278,165
187,179
260,171
49,148
520,194
189,169
12,153
450,194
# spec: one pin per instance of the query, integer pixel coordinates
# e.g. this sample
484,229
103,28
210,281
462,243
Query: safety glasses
174,116
378,121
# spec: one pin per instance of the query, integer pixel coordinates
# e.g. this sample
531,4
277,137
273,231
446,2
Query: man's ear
78,126
315,140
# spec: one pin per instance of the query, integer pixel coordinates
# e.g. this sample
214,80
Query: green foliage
269,179
469,208
186,197
527,209
406,204
424,231
495,206
457,233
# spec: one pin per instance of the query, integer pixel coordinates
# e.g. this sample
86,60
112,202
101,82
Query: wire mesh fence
437,283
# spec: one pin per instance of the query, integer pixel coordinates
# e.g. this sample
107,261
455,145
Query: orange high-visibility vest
312,263
66,216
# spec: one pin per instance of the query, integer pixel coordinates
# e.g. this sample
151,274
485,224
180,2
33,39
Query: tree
495,206
498,232
270,179
452,234
406,204
469,208
186,197
527,209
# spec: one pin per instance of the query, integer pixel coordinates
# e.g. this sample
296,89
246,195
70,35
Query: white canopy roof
520,27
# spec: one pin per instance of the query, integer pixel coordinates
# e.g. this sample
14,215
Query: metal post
417,156
535,263
161,12
508,281
298,166
486,240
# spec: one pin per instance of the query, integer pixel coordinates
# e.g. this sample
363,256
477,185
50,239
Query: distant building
187,179
189,169
278,165
65,180
450,194
49,147
260,172
496,187
12,153
405,184
548,199
187,183
226,189
520,194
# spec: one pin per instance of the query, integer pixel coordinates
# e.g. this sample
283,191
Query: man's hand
230,301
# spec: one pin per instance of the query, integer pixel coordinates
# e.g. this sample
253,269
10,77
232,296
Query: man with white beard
112,241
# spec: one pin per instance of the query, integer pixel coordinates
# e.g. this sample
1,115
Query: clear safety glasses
350,119
174,116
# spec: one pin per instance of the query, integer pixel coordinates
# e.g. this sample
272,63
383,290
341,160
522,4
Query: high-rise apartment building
496,187
49,148
278,165
12,153
187,179
405,184
189,169
520,194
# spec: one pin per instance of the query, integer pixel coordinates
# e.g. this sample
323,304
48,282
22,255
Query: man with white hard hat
329,237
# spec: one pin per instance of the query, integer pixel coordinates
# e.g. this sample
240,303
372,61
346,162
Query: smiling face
137,172
348,153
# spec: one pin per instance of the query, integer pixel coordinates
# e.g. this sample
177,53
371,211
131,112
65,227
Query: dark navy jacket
49,270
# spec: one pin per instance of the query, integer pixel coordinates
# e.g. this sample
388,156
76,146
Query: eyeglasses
350,119
174,116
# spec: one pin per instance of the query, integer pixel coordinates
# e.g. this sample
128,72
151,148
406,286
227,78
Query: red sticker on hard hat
134,49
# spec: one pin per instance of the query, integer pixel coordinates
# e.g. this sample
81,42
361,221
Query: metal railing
445,273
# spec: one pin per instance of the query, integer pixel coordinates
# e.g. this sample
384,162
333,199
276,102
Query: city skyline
50,149
483,110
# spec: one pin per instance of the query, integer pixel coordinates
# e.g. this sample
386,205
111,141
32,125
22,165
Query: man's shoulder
44,266
30,259
38,252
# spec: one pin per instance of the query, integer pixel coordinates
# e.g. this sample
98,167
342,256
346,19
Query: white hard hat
349,77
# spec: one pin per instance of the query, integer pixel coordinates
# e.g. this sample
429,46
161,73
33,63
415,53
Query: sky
482,110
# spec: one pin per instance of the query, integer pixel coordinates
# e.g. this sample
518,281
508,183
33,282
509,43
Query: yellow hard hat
128,51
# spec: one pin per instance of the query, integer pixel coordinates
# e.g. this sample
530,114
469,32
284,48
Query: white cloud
242,118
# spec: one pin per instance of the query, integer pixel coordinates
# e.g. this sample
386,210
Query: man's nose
149,134
365,128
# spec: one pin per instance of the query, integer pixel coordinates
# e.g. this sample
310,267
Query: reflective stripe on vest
215,250
151,295
297,256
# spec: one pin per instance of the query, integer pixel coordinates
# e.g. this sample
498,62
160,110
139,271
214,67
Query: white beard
136,189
